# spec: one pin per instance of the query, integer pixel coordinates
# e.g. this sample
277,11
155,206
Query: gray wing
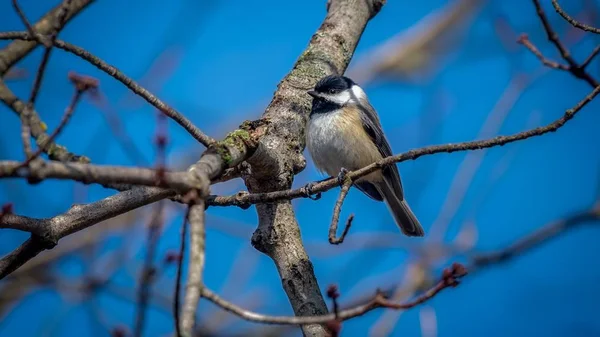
373,128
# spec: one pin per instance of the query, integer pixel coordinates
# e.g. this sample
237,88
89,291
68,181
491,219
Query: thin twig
590,58
17,50
50,24
524,40
77,218
336,215
127,81
24,19
335,325
156,223
82,84
176,309
478,261
572,21
37,127
211,164
148,271
450,278
25,129
47,41
552,36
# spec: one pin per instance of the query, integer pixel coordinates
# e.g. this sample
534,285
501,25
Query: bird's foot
308,191
342,176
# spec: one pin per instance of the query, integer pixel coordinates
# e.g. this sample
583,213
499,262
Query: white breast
335,142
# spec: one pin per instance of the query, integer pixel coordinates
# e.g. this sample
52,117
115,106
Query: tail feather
403,215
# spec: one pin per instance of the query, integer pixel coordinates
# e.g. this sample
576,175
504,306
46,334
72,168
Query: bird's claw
308,192
342,176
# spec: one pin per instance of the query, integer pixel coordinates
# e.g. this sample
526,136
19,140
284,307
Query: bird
344,133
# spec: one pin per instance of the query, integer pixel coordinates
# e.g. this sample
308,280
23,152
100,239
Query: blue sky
224,61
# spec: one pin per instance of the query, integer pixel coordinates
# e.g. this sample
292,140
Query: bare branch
176,309
194,283
77,218
279,155
37,127
148,271
23,17
82,84
590,58
104,175
17,50
450,278
218,157
574,67
572,21
127,81
524,40
47,41
336,215
22,223
480,261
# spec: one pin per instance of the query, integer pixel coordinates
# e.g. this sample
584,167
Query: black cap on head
333,84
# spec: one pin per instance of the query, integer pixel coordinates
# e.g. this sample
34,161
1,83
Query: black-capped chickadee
344,132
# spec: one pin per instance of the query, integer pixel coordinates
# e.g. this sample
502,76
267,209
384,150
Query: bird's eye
332,91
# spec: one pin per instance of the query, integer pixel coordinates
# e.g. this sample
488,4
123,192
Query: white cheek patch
339,98
359,93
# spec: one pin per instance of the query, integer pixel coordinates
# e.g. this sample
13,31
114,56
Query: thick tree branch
279,155
77,218
236,147
194,286
105,175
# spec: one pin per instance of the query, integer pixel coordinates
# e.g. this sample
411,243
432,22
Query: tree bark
279,155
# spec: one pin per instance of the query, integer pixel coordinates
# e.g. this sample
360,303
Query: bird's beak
313,93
